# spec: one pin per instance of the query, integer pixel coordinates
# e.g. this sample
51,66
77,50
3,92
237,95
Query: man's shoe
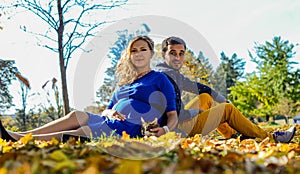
236,135
242,137
285,136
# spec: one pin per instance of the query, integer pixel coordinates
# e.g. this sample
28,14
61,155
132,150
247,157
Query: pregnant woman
141,92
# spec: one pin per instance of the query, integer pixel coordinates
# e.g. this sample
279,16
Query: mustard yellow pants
224,117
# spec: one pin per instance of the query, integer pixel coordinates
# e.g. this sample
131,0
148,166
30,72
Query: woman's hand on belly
113,115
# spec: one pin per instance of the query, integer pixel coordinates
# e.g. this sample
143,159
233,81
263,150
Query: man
173,52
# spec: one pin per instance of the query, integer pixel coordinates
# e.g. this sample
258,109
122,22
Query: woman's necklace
143,73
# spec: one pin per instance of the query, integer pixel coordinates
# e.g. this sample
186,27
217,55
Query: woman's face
140,55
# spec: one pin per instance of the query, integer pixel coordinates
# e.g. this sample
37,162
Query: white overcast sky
231,26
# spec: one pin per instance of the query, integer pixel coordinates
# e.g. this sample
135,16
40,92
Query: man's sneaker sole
293,131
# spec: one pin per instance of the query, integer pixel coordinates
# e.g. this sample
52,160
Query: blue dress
149,96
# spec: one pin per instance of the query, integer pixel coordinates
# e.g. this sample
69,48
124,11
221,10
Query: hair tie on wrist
166,129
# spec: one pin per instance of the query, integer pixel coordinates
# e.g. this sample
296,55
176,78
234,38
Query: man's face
174,56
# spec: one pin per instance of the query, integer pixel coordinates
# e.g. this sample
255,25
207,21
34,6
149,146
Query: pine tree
273,81
228,72
7,71
206,69
219,80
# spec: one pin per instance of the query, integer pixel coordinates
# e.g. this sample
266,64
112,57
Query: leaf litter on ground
166,154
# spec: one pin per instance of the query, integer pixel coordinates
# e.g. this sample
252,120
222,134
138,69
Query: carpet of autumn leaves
166,154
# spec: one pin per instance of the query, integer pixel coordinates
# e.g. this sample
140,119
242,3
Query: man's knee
206,101
205,96
228,105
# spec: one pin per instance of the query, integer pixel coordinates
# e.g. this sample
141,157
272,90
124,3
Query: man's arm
198,88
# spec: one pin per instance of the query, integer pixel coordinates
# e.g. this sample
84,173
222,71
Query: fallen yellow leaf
129,166
26,138
125,135
3,170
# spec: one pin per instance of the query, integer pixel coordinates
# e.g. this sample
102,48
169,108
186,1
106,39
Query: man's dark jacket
182,83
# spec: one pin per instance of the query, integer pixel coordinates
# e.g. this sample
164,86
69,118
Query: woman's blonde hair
126,72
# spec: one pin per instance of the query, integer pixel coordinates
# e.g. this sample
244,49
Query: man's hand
159,131
113,115
200,110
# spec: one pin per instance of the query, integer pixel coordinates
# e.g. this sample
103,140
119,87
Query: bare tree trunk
24,98
286,119
68,40
61,58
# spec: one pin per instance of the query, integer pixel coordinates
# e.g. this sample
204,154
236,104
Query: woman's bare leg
71,121
82,131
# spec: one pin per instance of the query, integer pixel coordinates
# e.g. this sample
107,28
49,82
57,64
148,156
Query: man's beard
177,65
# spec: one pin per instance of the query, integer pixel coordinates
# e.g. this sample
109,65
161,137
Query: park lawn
166,154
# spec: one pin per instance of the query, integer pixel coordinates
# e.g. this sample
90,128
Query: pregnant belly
134,110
